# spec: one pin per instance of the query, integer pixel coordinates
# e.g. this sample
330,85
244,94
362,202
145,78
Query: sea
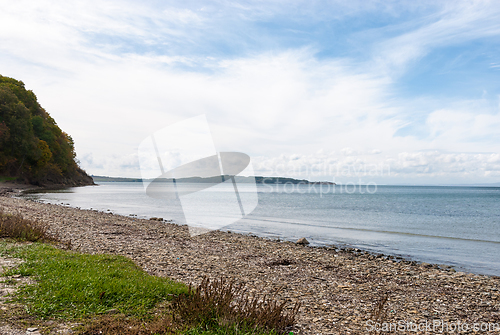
448,225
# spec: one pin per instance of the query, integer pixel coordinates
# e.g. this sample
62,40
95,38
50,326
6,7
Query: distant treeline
32,147
216,179
99,179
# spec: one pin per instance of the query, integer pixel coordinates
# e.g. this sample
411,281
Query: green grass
4,179
72,285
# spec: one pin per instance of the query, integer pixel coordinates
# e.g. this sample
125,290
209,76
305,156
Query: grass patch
15,226
5,178
220,302
164,325
109,294
72,285
130,326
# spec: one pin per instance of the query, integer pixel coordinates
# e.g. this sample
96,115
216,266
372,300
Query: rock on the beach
302,241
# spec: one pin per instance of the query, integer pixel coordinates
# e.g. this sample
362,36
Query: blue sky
412,87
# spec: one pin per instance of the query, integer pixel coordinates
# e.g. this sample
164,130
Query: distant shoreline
13,187
279,181
241,179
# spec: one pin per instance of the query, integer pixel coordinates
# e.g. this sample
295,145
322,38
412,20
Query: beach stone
6,190
302,241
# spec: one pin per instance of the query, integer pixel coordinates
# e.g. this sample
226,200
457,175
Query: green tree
32,146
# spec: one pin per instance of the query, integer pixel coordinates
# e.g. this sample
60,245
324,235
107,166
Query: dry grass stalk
128,326
222,301
15,226
379,313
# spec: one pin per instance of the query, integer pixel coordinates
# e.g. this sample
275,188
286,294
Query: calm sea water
458,226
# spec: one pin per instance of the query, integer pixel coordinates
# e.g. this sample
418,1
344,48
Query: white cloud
404,167
279,106
455,24
439,164
464,128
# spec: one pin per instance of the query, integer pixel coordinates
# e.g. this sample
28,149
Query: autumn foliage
32,146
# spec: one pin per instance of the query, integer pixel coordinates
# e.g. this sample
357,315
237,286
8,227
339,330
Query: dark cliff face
78,178
32,146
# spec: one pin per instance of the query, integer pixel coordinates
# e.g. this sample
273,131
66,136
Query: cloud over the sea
417,90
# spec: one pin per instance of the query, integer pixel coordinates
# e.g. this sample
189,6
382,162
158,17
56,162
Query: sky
389,92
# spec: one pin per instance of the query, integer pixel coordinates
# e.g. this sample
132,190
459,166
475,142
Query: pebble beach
340,291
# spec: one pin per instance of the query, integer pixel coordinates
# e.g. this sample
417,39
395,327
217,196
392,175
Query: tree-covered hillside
32,146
